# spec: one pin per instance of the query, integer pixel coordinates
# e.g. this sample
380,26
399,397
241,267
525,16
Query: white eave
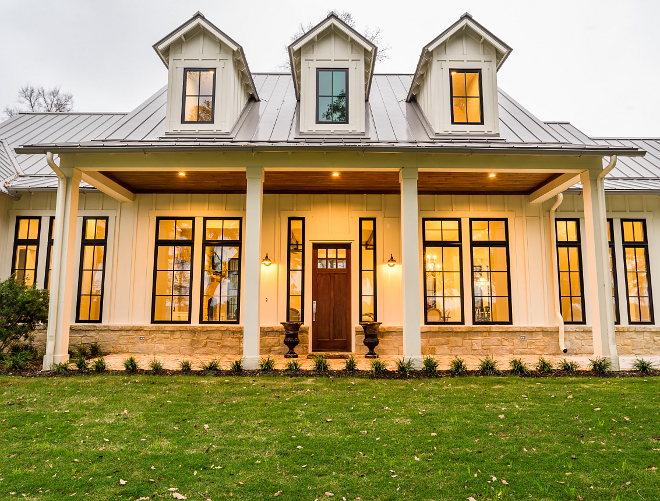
333,22
465,21
199,21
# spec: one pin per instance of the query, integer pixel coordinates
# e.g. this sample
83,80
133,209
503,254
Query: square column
597,255
410,284
252,273
62,272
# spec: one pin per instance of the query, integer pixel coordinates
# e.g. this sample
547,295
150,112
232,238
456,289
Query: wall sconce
391,261
266,261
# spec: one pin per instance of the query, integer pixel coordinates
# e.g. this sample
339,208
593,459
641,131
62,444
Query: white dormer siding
203,50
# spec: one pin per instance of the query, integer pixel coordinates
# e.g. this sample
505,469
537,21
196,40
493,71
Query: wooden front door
331,297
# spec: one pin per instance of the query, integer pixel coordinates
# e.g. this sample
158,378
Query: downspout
57,253
600,180
555,281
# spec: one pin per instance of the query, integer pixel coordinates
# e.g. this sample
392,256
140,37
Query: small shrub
155,366
544,366
404,366
95,350
23,309
99,365
236,366
321,363
267,364
293,365
378,366
130,364
26,348
600,365
17,361
643,366
519,367
351,363
81,351
570,366
81,363
61,368
488,366
457,365
185,366
211,366
430,365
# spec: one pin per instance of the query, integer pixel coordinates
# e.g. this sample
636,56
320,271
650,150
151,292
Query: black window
638,275
491,282
466,97
569,266
443,279
332,96
296,270
222,270
26,249
368,310
198,95
93,247
49,252
615,287
173,258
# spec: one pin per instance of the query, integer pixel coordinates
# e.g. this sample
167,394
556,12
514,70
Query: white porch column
62,272
251,331
600,287
412,337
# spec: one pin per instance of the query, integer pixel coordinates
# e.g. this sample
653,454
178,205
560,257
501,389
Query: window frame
26,242
491,243
374,268
49,252
94,242
481,98
442,243
613,271
288,270
157,243
645,245
318,72
221,243
183,99
578,245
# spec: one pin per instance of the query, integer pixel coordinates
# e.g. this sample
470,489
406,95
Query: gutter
555,274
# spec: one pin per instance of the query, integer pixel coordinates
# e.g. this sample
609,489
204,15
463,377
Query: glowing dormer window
466,97
332,96
198,95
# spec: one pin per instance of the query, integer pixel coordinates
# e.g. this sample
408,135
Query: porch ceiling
318,182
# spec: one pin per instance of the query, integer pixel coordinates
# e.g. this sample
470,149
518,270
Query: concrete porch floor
171,362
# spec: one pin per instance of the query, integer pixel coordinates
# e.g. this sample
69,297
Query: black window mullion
197,94
93,243
644,245
373,269
26,242
302,270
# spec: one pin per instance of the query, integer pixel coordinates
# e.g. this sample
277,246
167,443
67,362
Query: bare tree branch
40,99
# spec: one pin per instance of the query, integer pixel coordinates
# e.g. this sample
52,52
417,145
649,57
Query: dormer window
332,96
466,100
198,95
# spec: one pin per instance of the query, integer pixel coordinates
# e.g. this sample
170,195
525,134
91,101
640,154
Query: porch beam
107,186
554,187
252,246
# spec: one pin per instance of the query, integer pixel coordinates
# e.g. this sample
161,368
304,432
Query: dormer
209,80
455,83
332,67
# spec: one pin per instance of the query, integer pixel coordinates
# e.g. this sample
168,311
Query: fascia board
198,22
472,25
331,21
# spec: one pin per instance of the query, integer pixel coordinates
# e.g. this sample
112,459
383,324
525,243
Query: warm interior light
491,175
182,173
453,72
266,261
335,174
391,261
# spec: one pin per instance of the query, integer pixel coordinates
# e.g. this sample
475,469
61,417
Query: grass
249,437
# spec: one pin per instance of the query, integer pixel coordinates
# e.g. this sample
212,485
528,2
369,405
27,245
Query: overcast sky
593,63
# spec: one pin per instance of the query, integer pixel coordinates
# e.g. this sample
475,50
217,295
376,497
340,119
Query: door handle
313,311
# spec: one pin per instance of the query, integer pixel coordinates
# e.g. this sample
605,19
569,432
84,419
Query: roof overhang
466,21
333,22
198,21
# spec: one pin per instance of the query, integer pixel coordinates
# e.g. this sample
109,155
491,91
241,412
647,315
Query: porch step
330,354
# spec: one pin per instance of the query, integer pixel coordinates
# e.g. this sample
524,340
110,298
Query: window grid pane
466,96
368,311
26,249
490,271
332,96
613,278
569,269
296,270
636,260
199,95
93,248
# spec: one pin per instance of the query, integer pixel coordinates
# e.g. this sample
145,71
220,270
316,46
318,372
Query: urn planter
291,339
371,337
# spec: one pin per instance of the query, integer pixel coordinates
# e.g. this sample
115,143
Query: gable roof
199,21
465,21
331,22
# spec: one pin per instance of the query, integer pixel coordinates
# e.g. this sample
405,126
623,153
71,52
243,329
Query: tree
371,34
22,308
40,99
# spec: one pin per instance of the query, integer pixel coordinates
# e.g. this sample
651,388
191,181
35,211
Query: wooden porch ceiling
319,182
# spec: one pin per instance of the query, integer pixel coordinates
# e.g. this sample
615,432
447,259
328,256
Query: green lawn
139,437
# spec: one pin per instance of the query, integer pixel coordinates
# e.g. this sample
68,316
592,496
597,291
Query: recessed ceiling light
335,174
491,175
182,173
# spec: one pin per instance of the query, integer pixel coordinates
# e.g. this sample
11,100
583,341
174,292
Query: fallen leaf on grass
176,495
471,499
277,493
329,494
122,482
143,498
652,468
501,416
597,409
